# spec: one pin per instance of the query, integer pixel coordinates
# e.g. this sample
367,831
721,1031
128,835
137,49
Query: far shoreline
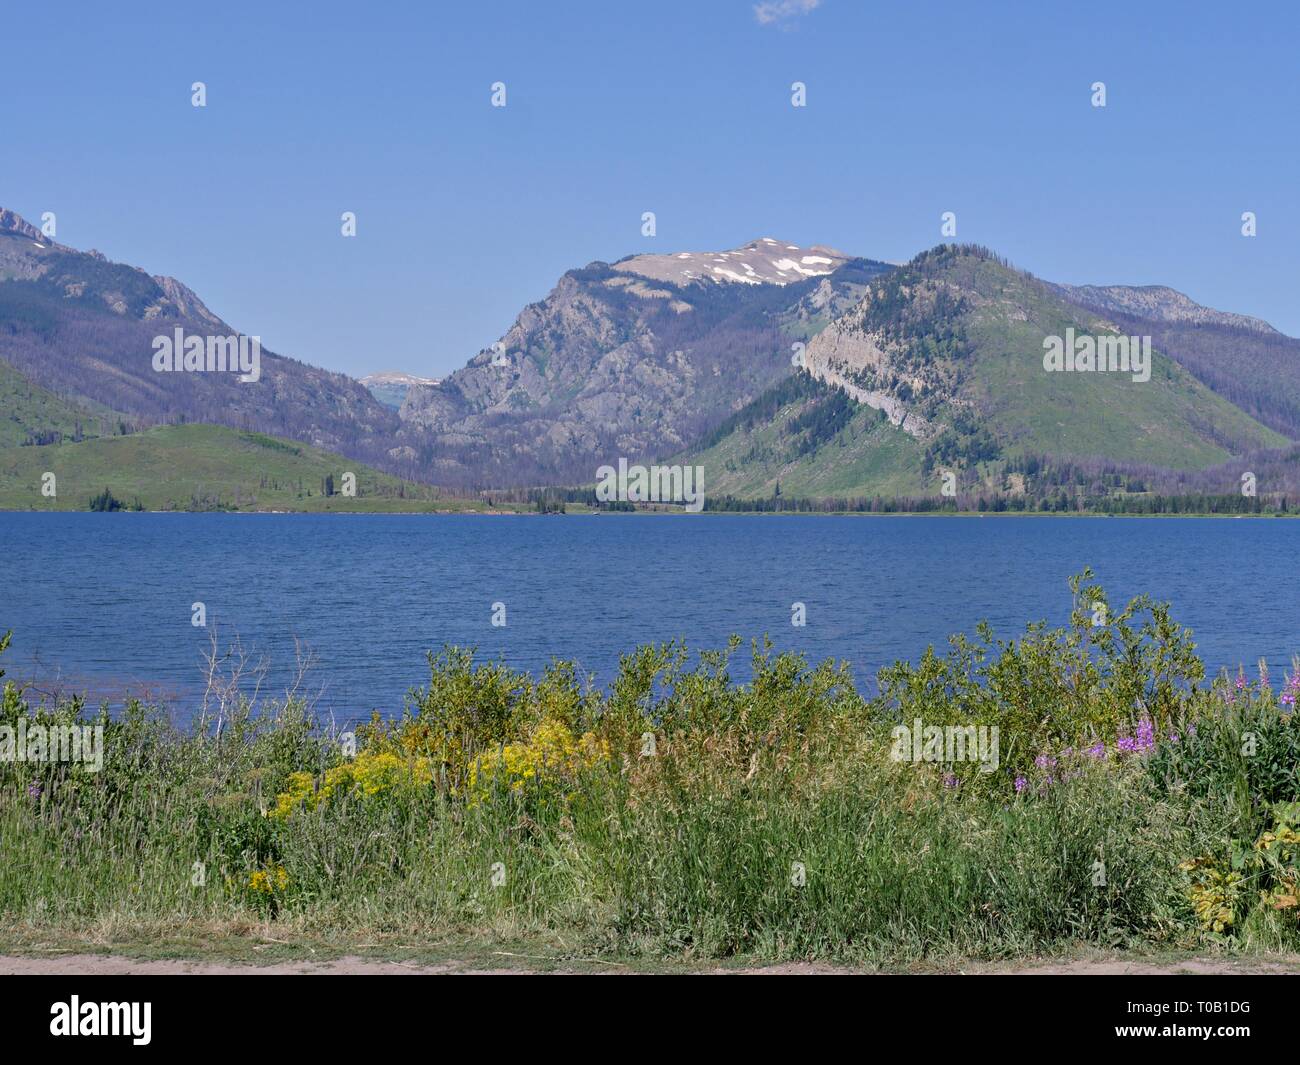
522,512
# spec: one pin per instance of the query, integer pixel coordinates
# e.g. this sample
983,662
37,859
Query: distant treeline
556,500
966,503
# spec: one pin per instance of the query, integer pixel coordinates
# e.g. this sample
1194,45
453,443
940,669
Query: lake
103,602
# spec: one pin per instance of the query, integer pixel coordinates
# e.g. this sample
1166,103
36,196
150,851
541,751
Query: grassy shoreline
681,817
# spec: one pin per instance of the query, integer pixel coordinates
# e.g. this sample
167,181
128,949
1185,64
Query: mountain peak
765,261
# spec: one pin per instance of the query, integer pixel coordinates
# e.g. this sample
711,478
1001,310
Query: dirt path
112,965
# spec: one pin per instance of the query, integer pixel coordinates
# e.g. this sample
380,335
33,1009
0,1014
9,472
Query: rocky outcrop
15,223
179,301
845,358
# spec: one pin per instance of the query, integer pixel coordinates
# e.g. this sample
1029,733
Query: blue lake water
102,602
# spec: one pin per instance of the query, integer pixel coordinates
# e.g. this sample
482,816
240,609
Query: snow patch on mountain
765,261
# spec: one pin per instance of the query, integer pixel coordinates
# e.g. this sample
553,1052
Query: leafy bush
1056,689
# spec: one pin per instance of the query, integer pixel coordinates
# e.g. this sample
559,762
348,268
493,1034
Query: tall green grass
681,812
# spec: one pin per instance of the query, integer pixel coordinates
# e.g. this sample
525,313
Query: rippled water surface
102,602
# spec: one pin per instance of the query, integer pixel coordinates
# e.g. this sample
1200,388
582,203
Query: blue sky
466,212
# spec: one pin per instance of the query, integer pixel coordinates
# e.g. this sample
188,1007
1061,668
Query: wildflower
369,774
950,781
1021,784
1097,750
1044,761
1143,741
551,753
268,880
34,789
302,792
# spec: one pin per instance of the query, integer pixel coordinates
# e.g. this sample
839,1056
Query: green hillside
955,339
201,467
1171,421
812,441
31,414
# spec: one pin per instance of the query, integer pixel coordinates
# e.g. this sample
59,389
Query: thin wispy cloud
783,12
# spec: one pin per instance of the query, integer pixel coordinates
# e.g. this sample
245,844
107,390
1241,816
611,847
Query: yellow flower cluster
372,773
269,880
302,792
551,752
369,774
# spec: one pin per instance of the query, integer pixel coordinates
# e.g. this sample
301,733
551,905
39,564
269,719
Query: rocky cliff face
180,302
16,224
899,348
852,359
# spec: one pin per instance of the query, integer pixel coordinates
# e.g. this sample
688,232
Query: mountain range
782,369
